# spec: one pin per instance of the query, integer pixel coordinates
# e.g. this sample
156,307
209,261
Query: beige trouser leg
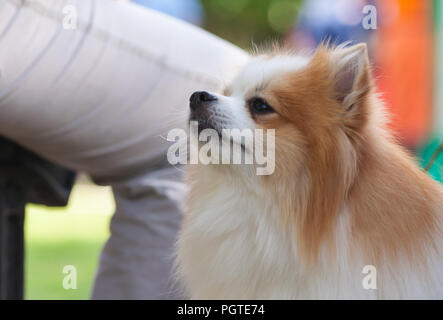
100,98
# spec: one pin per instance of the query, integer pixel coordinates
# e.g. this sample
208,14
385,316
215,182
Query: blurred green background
246,22
57,237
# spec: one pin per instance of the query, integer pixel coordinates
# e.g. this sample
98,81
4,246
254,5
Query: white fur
230,111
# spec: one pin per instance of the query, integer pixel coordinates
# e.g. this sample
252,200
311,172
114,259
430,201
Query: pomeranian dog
346,213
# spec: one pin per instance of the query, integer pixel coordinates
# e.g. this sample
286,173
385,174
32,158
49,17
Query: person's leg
101,98
136,262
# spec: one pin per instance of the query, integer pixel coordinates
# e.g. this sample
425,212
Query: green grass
56,237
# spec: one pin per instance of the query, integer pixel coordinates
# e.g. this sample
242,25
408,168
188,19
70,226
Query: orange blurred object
404,59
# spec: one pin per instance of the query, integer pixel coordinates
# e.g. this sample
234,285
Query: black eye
259,106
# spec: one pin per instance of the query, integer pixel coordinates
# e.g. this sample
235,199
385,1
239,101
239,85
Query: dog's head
320,109
316,104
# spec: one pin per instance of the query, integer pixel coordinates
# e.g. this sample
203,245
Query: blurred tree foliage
245,22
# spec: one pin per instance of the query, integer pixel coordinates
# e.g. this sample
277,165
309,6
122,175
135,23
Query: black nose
199,98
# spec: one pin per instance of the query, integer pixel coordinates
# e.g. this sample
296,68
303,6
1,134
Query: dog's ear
351,74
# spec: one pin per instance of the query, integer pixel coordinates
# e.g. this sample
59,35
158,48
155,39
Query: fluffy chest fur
233,246
223,252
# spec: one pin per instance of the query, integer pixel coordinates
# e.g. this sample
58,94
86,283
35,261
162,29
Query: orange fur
394,205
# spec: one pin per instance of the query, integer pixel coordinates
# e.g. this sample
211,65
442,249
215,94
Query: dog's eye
259,106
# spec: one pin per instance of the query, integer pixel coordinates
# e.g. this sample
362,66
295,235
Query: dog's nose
200,98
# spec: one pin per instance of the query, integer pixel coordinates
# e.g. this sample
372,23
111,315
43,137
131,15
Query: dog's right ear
351,74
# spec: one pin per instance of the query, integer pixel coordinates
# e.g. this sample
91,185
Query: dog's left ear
351,74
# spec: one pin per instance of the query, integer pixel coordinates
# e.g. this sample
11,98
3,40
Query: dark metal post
12,213
24,178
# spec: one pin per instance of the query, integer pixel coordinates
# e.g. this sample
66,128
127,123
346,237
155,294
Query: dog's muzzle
201,111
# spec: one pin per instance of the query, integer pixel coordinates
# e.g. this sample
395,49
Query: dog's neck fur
241,235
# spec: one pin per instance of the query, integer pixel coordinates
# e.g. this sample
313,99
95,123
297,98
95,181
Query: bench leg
12,212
